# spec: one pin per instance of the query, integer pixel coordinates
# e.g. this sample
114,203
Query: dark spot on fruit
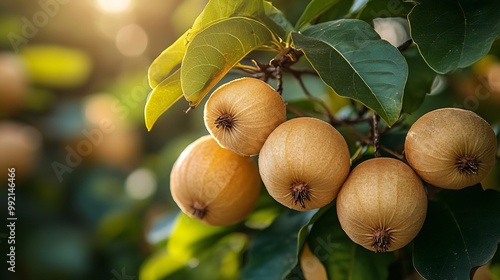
225,121
199,211
300,193
468,165
381,240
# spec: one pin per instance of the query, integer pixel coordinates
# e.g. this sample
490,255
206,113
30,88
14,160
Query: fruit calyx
300,193
225,120
381,240
468,165
199,211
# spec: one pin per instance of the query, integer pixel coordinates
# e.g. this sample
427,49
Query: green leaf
276,20
313,10
304,107
351,58
192,238
453,34
166,61
161,98
217,49
419,82
461,231
343,259
341,10
274,252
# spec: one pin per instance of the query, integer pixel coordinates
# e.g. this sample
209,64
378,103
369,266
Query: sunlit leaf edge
389,116
162,97
195,95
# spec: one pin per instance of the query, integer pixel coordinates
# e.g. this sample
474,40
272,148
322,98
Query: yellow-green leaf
161,98
217,49
192,238
166,61
217,10
160,266
213,11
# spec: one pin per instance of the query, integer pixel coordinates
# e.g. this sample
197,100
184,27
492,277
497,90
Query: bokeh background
92,197
91,181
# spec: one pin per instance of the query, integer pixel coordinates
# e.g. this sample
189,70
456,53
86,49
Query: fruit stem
468,165
300,193
199,211
381,240
226,121
376,135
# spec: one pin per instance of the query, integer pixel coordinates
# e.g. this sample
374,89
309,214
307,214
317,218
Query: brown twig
393,153
405,45
328,113
376,134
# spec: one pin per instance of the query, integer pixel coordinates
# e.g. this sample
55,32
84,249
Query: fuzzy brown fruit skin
303,163
451,148
382,204
214,185
241,114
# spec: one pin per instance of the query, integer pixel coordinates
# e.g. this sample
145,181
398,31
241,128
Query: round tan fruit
304,163
382,204
13,84
241,114
451,148
20,148
213,184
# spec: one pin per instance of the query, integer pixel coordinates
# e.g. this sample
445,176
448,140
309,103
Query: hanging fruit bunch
369,176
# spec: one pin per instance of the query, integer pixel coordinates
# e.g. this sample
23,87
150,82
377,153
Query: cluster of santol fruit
304,164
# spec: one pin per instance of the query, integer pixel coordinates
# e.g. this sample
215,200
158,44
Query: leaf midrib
352,67
462,237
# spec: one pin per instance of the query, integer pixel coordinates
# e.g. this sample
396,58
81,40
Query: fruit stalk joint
226,121
381,240
300,193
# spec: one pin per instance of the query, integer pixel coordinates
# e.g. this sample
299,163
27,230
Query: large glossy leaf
461,231
351,58
314,9
343,258
217,49
274,252
453,34
161,98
